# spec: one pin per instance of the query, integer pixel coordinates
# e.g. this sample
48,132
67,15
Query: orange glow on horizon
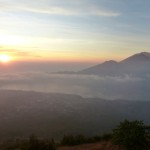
64,59
8,54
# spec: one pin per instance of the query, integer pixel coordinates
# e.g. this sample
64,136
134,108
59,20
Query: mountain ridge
139,57
134,65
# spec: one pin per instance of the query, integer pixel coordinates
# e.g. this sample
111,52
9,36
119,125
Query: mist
123,87
43,66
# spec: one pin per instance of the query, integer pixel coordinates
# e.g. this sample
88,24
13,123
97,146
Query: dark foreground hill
107,145
53,115
94,146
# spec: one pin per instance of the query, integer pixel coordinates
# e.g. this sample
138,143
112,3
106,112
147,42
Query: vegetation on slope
128,135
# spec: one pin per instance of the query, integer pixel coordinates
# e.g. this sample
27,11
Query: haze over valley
128,79
52,115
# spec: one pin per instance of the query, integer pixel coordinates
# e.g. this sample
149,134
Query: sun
5,58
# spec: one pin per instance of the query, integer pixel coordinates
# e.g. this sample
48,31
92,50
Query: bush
106,137
73,140
131,135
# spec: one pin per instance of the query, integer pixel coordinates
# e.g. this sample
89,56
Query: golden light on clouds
5,58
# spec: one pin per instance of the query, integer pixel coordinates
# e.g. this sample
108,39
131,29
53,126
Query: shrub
131,135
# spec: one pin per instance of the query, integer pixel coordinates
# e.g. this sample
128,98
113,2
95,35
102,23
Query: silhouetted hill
135,65
108,67
53,115
138,58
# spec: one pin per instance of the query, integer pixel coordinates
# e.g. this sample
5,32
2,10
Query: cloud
66,8
126,87
74,12
18,53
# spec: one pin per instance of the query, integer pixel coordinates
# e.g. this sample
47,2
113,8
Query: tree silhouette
132,135
33,142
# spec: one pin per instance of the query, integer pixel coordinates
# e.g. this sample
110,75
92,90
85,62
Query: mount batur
138,64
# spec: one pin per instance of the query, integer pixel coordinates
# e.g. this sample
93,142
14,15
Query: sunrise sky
74,30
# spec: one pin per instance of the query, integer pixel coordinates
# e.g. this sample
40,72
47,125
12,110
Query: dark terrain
53,115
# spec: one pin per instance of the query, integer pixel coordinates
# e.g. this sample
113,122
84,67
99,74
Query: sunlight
4,58
6,39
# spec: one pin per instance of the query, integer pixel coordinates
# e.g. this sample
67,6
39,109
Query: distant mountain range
138,64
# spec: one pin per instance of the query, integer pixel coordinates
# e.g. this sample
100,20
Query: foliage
131,135
106,137
36,144
80,139
33,143
73,140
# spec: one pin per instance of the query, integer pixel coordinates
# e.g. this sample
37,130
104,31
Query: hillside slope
53,115
94,146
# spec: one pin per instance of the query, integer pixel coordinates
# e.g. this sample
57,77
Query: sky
74,30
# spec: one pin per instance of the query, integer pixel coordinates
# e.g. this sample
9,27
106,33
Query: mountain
138,58
135,65
54,115
106,67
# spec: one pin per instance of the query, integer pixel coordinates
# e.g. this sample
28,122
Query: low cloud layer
126,87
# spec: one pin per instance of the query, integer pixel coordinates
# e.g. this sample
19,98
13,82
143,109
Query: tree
33,143
36,144
131,135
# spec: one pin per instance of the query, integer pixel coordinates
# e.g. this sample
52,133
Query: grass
105,145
